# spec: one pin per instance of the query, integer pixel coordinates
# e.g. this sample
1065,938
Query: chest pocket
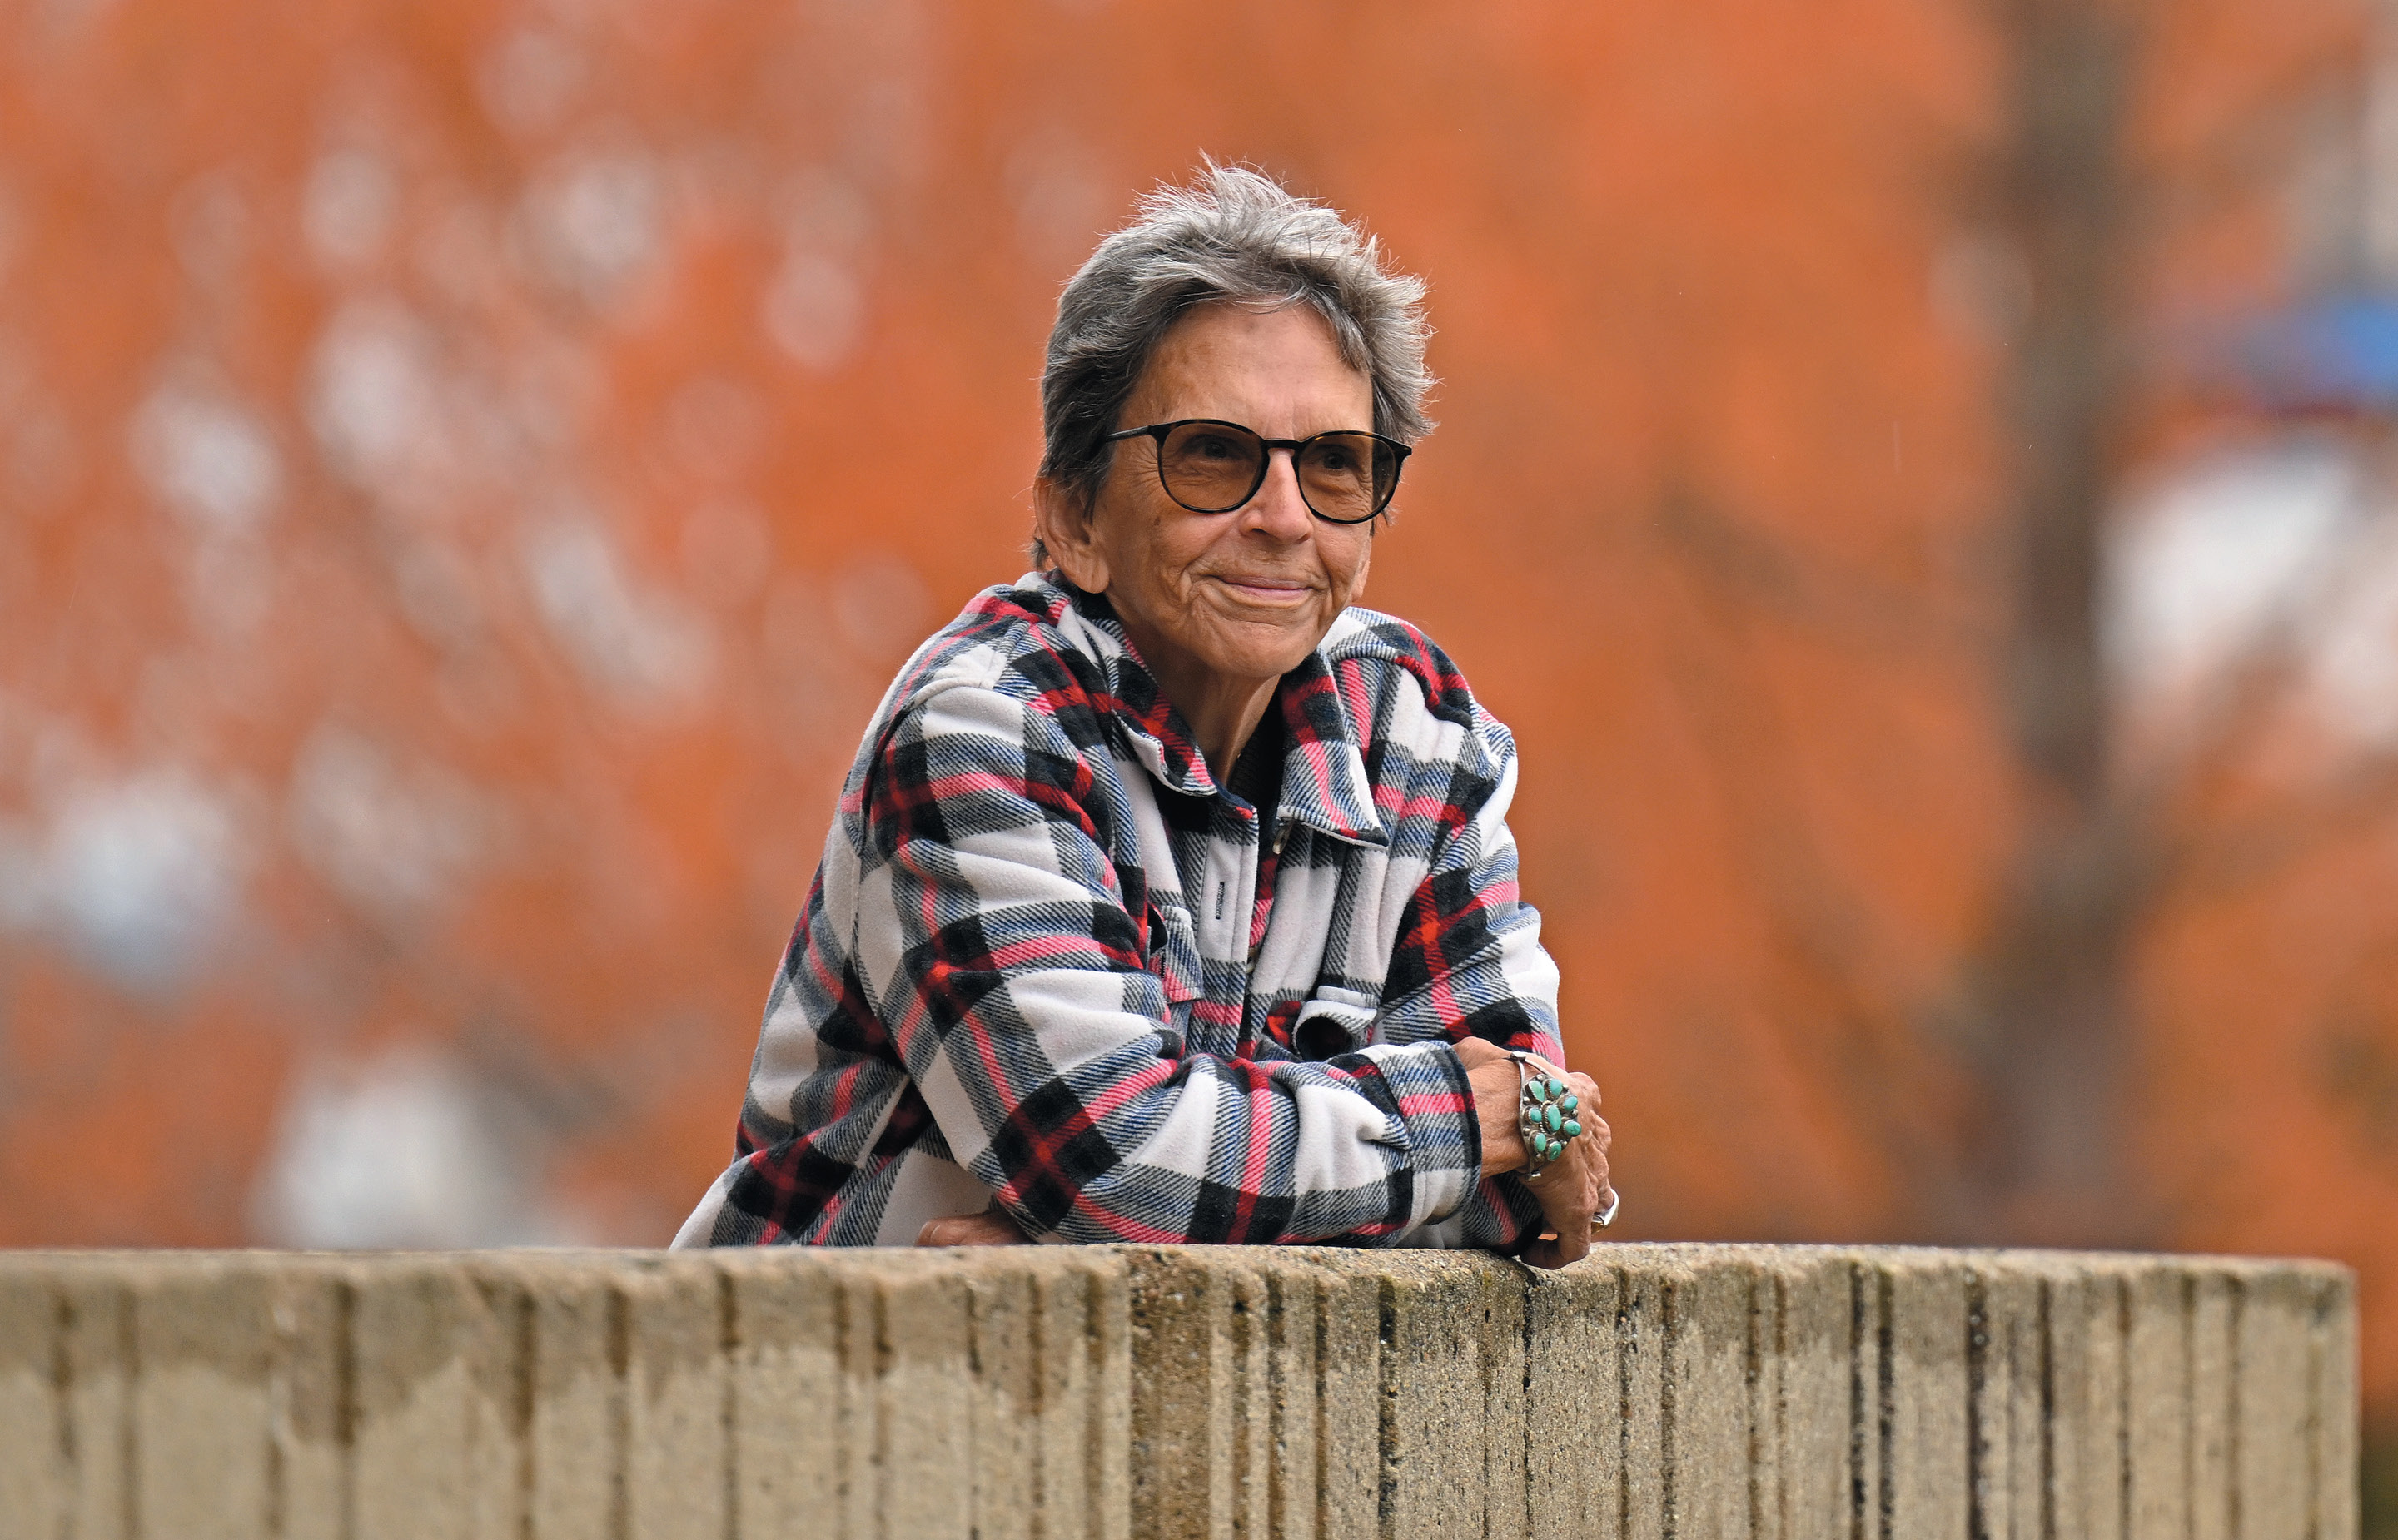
1174,957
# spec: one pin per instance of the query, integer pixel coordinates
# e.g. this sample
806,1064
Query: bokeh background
1915,474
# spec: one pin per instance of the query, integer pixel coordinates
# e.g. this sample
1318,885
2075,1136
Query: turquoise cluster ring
1544,1114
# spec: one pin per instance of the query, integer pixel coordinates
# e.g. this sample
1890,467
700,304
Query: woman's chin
1271,661
1236,642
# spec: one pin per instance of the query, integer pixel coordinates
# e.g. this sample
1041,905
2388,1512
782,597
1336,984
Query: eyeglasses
1212,467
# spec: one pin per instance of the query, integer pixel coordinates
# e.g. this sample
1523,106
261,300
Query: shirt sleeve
1002,958
1469,962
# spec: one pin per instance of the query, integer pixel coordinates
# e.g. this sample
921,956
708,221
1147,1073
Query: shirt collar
1324,781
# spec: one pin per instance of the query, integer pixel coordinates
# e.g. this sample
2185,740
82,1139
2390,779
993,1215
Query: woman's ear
1064,522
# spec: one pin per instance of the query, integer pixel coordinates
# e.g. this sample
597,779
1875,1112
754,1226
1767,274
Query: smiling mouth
1266,590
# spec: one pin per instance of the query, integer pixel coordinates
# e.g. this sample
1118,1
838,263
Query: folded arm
1011,977
1469,964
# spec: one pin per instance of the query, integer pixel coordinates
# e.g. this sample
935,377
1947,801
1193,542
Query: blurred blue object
2335,354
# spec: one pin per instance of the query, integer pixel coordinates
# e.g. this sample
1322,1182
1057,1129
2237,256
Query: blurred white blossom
394,839
640,644
594,220
348,206
139,874
401,1148
375,397
815,309
207,456
2289,543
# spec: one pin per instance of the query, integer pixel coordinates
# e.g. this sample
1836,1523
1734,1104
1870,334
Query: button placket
1262,899
1230,879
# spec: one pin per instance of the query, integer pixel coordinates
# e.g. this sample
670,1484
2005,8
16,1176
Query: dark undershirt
1257,775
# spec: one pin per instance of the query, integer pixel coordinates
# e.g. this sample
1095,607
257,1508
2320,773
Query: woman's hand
990,1228
1573,1188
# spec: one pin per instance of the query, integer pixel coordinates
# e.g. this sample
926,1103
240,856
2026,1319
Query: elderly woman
1170,896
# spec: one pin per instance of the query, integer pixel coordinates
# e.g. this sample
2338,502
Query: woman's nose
1278,509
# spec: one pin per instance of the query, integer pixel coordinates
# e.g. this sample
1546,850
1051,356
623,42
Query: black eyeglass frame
1157,431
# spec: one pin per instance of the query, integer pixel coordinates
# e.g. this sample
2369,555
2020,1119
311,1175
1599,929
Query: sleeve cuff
1503,1215
1435,1103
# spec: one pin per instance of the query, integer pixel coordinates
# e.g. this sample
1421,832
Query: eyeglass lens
1215,467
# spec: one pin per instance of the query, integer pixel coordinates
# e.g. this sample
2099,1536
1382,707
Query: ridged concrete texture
1650,1392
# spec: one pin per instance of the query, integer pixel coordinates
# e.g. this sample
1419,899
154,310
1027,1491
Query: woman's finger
1602,1173
1567,1194
990,1228
1551,1252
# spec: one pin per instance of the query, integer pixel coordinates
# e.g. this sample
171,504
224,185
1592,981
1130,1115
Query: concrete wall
1653,1391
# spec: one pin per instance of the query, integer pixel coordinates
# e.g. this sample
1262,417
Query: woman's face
1233,599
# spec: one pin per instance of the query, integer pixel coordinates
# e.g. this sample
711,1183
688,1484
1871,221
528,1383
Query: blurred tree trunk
2048,1021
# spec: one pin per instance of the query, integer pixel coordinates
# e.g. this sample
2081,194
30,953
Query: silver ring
1602,1220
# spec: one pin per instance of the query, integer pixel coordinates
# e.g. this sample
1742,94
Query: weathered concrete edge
1764,1390
1302,1390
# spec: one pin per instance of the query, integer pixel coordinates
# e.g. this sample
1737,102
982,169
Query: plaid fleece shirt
1047,958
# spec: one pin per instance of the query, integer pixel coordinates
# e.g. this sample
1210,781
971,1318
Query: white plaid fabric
1048,959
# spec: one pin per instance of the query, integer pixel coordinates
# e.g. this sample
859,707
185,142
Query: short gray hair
1233,234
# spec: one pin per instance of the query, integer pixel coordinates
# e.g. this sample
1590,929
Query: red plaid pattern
1047,958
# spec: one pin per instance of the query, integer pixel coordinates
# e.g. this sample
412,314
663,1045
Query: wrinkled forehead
1277,369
